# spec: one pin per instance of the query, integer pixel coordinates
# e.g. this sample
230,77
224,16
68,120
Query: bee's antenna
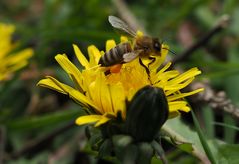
170,51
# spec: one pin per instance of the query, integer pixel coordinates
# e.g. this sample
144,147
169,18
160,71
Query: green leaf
208,117
188,147
232,91
181,134
29,123
229,152
229,133
226,125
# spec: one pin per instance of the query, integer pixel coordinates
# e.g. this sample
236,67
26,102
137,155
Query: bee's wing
131,55
121,25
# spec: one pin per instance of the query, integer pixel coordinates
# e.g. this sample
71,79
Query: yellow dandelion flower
14,61
133,77
104,96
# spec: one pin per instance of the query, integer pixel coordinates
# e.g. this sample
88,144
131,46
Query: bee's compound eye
157,46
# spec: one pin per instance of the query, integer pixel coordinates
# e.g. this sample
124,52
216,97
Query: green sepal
94,136
159,150
111,128
105,148
121,141
130,154
146,153
122,144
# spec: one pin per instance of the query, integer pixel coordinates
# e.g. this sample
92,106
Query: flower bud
146,113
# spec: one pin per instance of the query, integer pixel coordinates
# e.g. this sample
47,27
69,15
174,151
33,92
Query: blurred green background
28,112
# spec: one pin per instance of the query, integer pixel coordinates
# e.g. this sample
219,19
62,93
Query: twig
32,147
216,100
223,23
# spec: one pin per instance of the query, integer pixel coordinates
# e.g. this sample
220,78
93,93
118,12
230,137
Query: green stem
203,139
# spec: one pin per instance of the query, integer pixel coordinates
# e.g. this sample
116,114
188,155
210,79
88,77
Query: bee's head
156,45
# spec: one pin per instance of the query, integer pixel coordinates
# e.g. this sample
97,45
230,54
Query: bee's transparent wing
121,25
131,56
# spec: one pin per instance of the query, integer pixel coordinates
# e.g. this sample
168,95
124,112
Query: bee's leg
146,69
115,68
152,60
107,72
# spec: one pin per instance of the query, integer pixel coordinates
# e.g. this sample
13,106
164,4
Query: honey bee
143,46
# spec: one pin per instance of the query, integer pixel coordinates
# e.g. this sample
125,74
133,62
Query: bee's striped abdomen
115,55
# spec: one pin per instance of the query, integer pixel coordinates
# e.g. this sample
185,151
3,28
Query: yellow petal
110,44
73,93
159,59
81,58
182,95
118,99
104,94
106,98
94,55
186,75
178,105
102,121
185,109
94,91
19,56
164,68
165,49
179,86
48,83
165,76
156,64
17,66
71,69
87,119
